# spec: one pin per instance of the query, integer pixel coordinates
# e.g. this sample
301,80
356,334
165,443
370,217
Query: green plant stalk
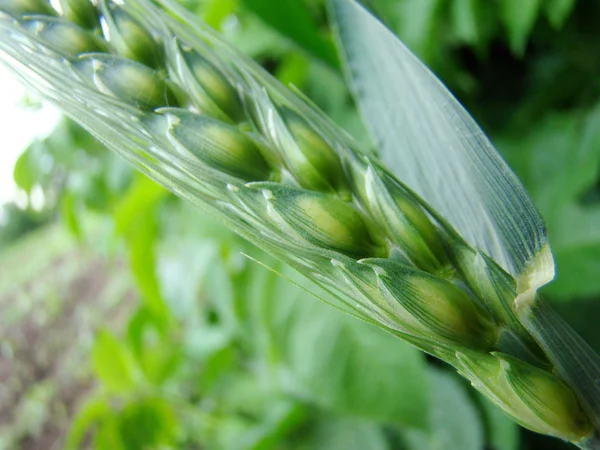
202,120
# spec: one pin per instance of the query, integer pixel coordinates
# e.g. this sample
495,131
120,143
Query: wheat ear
171,97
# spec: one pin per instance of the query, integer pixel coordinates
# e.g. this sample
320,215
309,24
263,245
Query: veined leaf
574,360
292,19
434,147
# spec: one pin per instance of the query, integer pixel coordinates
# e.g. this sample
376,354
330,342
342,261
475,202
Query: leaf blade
574,360
292,20
416,21
454,419
558,11
433,146
519,17
112,363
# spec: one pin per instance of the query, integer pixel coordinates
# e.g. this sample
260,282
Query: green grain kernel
131,39
214,84
533,397
405,221
132,82
81,12
218,145
316,165
64,36
323,220
442,309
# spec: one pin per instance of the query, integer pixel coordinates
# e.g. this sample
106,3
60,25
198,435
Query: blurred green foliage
223,353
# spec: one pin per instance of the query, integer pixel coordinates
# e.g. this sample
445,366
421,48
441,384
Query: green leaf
60,143
519,17
157,353
142,195
415,21
23,174
454,422
578,259
147,424
503,432
215,11
256,39
141,242
216,365
333,433
465,20
139,321
345,364
280,418
220,292
558,11
293,20
94,410
135,218
38,164
292,70
112,363
70,214
185,253
327,89
107,435
427,139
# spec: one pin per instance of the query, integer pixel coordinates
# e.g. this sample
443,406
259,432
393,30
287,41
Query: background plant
534,166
